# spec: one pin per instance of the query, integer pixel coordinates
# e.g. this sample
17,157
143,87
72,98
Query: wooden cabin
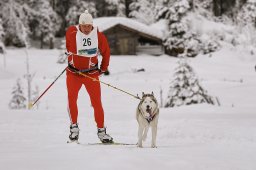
129,37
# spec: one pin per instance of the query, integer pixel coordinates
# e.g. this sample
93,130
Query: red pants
74,83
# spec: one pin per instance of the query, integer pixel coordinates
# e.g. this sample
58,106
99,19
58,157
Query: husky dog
147,116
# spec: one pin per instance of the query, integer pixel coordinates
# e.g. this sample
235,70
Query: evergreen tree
2,33
111,7
1,30
221,7
179,37
14,18
36,16
247,15
203,7
18,100
127,7
209,46
246,19
117,7
61,7
77,8
185,88
143,10
43,21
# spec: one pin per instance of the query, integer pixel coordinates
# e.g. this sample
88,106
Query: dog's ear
143,94
152,93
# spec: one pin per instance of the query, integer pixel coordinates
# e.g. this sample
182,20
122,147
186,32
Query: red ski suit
75,81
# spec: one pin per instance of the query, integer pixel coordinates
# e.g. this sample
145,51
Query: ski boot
74,133
104,138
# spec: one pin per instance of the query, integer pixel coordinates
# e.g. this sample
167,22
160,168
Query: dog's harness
149,119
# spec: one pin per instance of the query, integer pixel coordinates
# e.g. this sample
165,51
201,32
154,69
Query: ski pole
32,104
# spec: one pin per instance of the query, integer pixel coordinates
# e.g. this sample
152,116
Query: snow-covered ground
197,137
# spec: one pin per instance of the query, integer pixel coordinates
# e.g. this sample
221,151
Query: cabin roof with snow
129,37
106,23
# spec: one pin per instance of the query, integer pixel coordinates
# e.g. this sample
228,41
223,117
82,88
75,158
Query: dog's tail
145,133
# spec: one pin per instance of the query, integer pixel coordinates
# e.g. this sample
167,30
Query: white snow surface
105,23
196,137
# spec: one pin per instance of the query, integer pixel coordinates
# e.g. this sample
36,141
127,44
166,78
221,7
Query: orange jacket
83,62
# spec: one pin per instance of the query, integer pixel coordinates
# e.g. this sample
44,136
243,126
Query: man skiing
83,42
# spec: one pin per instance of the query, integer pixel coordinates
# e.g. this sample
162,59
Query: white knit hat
85,18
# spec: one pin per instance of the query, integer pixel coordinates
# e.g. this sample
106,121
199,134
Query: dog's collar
149,119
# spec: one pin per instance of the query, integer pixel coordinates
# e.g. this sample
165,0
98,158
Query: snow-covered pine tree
143,11
209,46
2,46
246,19
77,8
37,16
18,100
247,15
117,7
185,88
110,7
43,21
61,8
13,17
179,37
203,7
206,4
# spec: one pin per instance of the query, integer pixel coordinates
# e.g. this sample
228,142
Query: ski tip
107,142
75,141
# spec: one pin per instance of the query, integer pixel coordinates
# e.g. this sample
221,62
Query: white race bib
87,45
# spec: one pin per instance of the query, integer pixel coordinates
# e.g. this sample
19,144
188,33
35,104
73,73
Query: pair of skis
108,143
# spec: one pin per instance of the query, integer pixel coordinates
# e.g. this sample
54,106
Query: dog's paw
139,145
153,146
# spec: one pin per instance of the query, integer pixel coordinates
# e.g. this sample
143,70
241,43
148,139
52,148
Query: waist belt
84,70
